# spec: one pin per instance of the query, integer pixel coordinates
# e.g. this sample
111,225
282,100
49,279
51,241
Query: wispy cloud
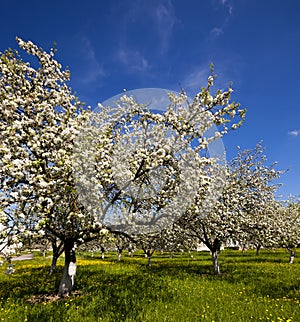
93,70
225,69
228,5
133,60
194,80
165,19
219,30
216,31
156,16
294,133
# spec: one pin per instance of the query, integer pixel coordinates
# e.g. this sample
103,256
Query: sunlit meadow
250,288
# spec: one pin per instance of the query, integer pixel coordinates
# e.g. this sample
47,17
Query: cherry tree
155,160
259,210
245,209
68,173
287,226
39,117
175,238
102,243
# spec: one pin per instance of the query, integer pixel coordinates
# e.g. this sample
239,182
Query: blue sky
112,45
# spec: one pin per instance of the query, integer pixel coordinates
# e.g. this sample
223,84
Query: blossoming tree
38,120
287,226
69,173
245,209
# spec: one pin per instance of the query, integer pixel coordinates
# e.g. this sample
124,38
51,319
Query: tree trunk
171,255
102,252
57,250
67,281
215,252
53,264
292,256
119,256
243,248
215,259
149,259
258,247
191,255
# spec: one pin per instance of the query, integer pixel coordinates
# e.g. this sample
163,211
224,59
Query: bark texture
57,250
258,247
67,281
292,256
215,252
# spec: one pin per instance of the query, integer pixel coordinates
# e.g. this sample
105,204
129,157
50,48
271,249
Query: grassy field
250,288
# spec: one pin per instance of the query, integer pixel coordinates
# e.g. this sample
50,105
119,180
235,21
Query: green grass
250,288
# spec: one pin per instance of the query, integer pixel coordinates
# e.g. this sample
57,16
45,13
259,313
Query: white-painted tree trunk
215,249
67,281
130,253
119,256
243,248
215,260
258,247
292,256
191,255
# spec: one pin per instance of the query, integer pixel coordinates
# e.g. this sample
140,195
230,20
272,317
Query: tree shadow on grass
121,296
110,293
119,292
267,275
262,279
149,285
250,257
25,282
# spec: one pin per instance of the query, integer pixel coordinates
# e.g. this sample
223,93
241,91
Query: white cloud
226,69
228,5
159,15
196,79
93,70
133,60
217,31
294,133
165,20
